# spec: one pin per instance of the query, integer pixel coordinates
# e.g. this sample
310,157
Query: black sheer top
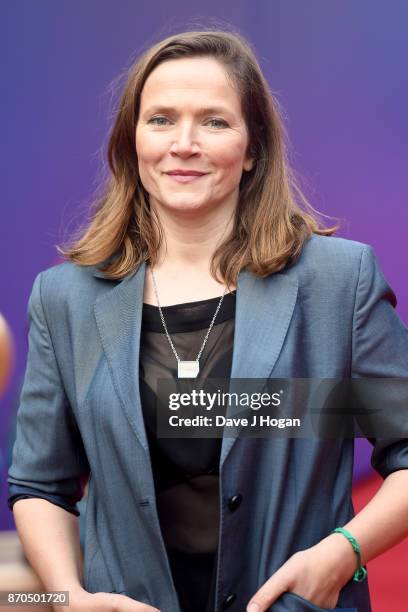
185,470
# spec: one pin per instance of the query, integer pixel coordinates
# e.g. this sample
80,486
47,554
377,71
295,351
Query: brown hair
273,217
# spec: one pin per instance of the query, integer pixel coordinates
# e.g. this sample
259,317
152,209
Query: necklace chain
165,326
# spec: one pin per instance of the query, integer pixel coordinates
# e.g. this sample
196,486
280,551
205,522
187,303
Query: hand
82,601
316,574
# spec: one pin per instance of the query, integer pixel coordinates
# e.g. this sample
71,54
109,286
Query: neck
190,239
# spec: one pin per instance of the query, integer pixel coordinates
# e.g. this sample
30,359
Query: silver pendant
188,369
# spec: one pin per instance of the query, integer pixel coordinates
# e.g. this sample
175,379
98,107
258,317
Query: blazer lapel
264,309
119,317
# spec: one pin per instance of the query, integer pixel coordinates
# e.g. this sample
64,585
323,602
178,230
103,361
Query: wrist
361,572
340,557
75,593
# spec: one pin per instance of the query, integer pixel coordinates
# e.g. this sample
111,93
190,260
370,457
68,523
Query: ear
249,160
249,163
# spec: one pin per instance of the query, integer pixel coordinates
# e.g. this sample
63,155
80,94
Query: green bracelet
361,572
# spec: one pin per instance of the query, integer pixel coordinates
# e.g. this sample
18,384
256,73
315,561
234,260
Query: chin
185,206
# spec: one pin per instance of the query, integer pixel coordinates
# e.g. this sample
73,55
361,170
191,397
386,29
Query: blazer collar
264,308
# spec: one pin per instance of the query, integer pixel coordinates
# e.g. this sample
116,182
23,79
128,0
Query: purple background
338,68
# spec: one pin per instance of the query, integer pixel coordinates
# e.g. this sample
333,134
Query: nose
185,143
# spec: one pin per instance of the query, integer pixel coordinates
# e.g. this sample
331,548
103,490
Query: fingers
115,602
269,592
123,603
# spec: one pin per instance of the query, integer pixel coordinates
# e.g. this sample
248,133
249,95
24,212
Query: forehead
201,78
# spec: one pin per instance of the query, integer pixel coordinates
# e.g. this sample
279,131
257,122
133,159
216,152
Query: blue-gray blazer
329,315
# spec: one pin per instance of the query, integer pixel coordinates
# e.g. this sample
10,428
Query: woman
202,259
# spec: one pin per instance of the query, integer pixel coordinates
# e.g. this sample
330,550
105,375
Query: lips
185,173
185,178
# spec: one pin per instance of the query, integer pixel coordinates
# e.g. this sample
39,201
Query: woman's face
190,120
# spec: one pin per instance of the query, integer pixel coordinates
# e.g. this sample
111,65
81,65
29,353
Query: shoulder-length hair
273,218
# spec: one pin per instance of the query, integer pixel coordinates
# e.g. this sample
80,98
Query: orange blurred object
7,354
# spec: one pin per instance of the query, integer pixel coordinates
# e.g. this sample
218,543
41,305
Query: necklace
186,369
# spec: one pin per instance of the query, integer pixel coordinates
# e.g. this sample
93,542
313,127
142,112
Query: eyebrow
203,110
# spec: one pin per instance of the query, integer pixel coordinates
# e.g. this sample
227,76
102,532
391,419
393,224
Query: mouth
185,177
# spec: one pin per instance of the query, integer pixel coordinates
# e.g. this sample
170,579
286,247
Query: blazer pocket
290,602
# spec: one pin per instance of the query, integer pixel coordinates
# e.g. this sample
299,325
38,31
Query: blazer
328,315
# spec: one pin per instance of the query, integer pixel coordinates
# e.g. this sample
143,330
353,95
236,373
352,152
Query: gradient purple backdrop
338,69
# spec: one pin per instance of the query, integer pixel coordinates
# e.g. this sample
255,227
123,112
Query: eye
219,121
160,121
154,119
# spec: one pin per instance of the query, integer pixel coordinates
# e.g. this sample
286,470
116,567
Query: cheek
230,157
148,149
144,160
229,164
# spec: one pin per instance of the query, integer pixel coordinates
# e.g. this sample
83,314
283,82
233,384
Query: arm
50,539
49,458
48,461
319,573
48,453
375,527
379,350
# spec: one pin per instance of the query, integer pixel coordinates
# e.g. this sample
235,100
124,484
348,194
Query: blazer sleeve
48,454
380,350
17,492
